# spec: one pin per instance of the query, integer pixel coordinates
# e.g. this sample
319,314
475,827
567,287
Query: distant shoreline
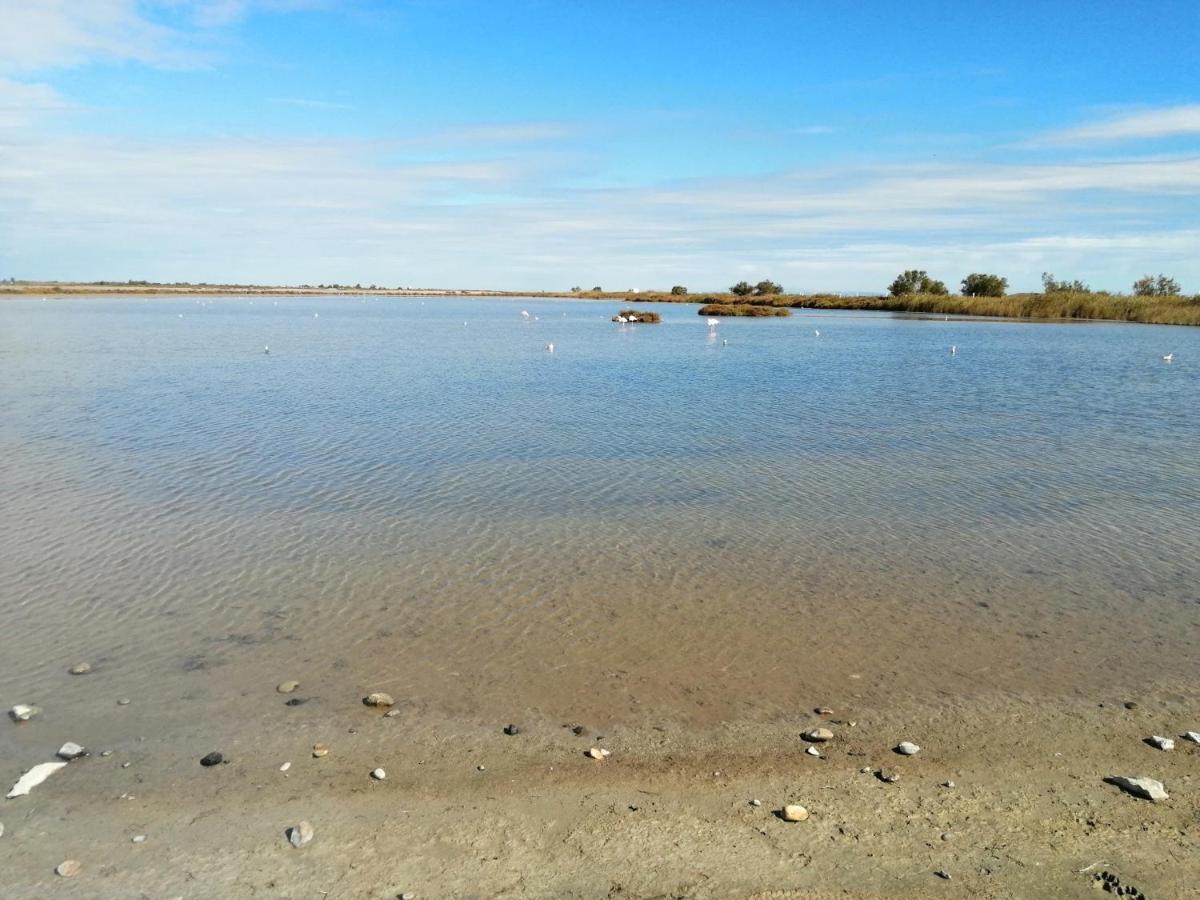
1066,306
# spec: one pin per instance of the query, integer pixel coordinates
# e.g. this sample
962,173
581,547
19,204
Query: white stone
139,839
818,735
81,668
813,751
34,777
1140,786
286,687
300,834
598,753
1193,736
1,829
756,803
378,774
1162,743
68,868
378,699
70,750
908,748
23,712
794,813
285,767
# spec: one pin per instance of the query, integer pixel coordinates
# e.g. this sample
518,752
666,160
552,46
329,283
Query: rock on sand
68,868
81,668
1162,743
70,750
907,748
378,698
1139,786
794,813
817,735
34,777
286,687
23,712
300,834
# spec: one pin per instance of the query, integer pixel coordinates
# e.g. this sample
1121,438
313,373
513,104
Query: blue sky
540,145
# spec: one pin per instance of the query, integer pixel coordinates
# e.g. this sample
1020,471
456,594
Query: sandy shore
668,814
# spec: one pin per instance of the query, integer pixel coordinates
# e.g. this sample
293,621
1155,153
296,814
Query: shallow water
648,522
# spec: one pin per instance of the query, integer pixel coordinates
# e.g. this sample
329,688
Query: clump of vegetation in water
637,315
743,309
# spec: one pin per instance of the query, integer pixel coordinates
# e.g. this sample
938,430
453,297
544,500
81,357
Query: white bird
1170,356
316,315
621,320
550,348
266,349
954,350
817,332
725,342
525,314
633,318
713,323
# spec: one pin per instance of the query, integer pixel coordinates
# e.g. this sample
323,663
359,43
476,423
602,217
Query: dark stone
212,759
511,729
578,729
297,701
1129,704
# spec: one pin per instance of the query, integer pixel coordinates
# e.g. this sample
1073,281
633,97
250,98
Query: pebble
68,868
126,765
482,768
81,668
1,829
391,714
511,729
285,767
866,770
320,750
942,874
756,803
106,753
1129,704
296,701
378,774
286,687
1139,786
23,712
1193,736
378,699
300,834
598,753
212,759
908,748
408,897
70,750
946,836
794,813
823,711
947,784
124,701
1162,743
887,776
818,735
139,839
813,751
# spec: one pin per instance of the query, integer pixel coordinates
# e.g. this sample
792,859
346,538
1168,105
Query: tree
916,281
1050,286
597,289
767,287
679,290
742,289
1162,286
576,289
979,285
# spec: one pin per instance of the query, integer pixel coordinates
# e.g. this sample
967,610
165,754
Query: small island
743,309
636,315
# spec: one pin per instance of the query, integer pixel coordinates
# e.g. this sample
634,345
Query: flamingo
633,318
549,348
713,323
621,320
817,332
524,314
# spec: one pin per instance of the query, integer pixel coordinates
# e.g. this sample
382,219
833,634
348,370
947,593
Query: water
648,522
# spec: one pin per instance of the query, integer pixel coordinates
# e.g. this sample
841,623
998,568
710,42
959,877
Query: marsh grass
650,318
1065,305
752,310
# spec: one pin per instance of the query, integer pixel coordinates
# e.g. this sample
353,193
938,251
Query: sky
544,144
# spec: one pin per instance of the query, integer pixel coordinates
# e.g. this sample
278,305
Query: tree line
980,284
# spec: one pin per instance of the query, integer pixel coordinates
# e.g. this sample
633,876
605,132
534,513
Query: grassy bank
637,315
1118,307
743,309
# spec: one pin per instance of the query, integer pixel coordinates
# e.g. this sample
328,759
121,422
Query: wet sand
668,814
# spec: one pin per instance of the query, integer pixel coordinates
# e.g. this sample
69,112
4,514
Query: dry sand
667,815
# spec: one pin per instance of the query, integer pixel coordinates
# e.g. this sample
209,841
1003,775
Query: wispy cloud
309,103
1145,125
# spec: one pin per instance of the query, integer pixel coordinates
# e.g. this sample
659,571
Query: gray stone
81,668
907,748
378,698
1162,743
1139,786
70,750
1193,736
300,834
23,712
1,829
817,735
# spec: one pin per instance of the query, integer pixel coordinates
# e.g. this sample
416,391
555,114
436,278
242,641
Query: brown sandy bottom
668,814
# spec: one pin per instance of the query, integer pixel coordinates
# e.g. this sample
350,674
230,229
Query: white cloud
1147,125
22,103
